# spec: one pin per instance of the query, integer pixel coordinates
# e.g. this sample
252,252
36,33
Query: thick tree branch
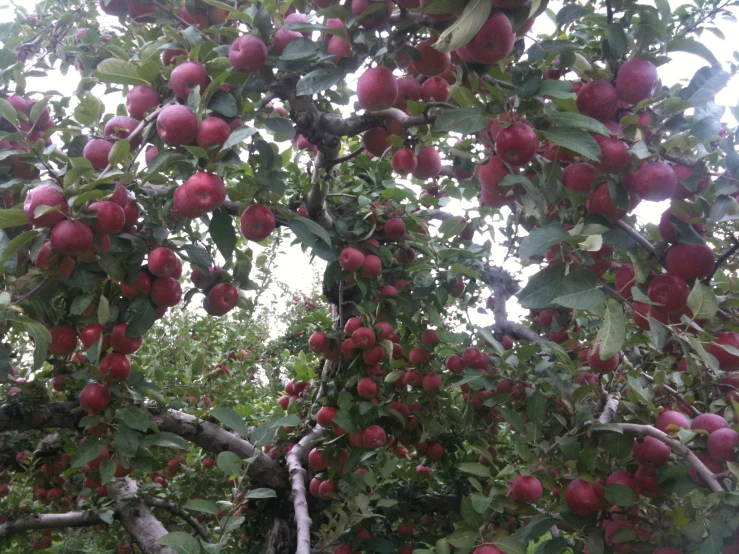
278,537
298,477
501,293
207,435
179,512
137,519
48,521
610,408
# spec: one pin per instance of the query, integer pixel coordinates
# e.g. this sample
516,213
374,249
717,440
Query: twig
172,14
498,82
138,131
298,478
637,236
693,410
179,512
705,16
722,259
609,11
343,159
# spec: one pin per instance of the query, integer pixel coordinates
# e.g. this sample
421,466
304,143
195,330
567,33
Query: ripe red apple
45,195
687,176
142,285
325,416
367,388
636,81
94,398
653,181
493,42
121,126
351,259
63,340
418,356
364,338
257,222
70,237
579,177
326,489
487,549
726,360
408,89
614,154
247,54
200,194
435,89
221,299
110,216
527,488
516,144
405,529
651,452
122,343
374,20
454,364
602,203
583,498
709,422
282,38
212,133
169,55
372,266
690,261
429,163
140,100
395,228
712,465
491,174
431,383
672,417
115,368
670,291
377,89
375,141
319,342
597,99
722,445
186,77
162,261
668,230
96,152
404,161
177,125
316,460
166,292
339,47
374,437
432,61
625,479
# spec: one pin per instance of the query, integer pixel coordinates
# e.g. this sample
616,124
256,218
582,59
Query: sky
299,273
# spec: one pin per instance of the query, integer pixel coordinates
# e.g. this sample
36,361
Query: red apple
257,222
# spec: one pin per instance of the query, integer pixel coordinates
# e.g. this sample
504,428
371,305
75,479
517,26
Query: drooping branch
501,293
179,512
298,477
207,435
34,522
637,236
137,519
723,259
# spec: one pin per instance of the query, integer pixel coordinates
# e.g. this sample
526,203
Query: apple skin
140,100
200,194
672,417
583,498
722,443
432,61
375,20
221,299
597,99
690,261
339,47
94,398
177,125
162,261
169,55
709,422
395,228
45,195
257,222
435,89
493,42
372,266
115,8
377,88
96,152
726,360
282,38
166,292
516,144
404,161
186,77
602,204
121,127
115,368
653,181
212,133
375,141
408,89
374,437
70,237
429,163
599,365
637,80
651,452
527,488
351,259
614,154
248,54
670,291
123,344
579,177
325,416
110,215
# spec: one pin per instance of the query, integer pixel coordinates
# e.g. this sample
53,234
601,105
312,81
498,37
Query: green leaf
617,41
514,418
257,494
570,13
7,111
126,441
315,228
229,463
12,217
474,468
15,244
557,89
541,239
223,233
692,46
575,140
181,542
705,85
319,80
510,545
38,332
536,408
612,332
466,26
579,121
281,126
88,451
198,255
620,495
118,153
113,70
238,136
231,419
579,290
143,319
702,301
465,121
164,439
107,471
200,505
224,103
539,291
299,49
135,418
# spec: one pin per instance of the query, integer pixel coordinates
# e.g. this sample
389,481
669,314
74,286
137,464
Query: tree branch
610,408
179,512
139,130
501,293
48,521
298,478
637,236
278,537
722,259
172,14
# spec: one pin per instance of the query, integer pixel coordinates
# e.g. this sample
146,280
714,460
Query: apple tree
442,162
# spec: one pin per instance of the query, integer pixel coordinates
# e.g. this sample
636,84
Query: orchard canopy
439,162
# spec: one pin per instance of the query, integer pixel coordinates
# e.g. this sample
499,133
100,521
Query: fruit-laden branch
174,509
137,519
723,259
298,477
694,412
501,294
33,522
173,15
209,436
